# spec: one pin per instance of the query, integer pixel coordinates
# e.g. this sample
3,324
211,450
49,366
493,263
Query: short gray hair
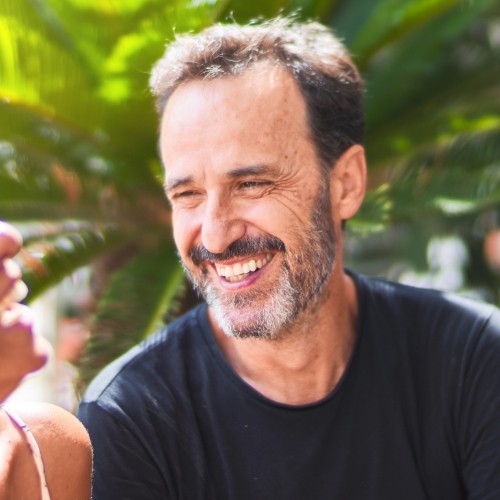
317,60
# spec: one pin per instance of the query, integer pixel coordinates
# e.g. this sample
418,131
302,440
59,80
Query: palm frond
46,263
459,180
133,304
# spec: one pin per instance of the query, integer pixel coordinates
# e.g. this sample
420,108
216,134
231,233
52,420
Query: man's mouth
240,270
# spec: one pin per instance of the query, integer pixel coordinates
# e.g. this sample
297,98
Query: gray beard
304,274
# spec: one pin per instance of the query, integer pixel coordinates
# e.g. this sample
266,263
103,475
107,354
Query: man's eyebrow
170,184
250,170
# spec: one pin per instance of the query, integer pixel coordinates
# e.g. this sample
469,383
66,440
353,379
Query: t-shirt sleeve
479,419
123,467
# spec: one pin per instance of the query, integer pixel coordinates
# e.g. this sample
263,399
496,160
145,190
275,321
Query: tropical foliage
78,163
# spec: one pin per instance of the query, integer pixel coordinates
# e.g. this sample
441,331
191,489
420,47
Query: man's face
251,209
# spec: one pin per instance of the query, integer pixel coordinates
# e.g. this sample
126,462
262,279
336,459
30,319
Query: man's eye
184,194
253,184
184,198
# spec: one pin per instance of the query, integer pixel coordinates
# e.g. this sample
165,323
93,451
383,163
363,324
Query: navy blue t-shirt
415,416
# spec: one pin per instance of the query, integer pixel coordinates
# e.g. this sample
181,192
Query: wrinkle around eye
256,187
186,198
290,201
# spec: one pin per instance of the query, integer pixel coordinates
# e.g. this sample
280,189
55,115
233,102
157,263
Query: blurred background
80,177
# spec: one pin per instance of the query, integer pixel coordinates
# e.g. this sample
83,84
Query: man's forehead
233,122
266,97
260,81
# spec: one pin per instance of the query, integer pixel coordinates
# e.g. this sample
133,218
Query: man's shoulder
426,313
432,334
397,295
153,361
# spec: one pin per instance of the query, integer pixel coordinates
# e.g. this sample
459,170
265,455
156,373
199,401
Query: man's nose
221,226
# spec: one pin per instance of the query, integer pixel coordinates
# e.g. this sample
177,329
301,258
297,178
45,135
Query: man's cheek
195,269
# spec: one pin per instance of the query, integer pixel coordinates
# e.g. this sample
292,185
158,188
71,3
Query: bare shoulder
65,447
50,422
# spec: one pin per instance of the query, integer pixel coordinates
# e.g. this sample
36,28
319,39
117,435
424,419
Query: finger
21,351
17,335
10,275
42,350
17,316
10,240
12,376
18,293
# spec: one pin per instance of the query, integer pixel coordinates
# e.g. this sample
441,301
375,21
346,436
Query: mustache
238,248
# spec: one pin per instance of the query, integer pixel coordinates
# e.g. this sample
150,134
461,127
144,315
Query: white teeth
232,273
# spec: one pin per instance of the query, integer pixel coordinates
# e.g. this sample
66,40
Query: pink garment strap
34,449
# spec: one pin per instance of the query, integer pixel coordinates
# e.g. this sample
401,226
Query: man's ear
348,182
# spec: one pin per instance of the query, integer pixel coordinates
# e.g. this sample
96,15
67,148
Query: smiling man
295,379
252,214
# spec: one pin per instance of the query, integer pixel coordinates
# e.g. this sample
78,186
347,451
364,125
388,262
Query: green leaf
312,9
447,70
47,263
374,214
428,187
390,20
135,301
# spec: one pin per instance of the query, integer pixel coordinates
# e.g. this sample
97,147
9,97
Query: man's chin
236,323
249,323
256,313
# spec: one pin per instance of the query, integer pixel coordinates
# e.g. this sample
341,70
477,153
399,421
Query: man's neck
305,364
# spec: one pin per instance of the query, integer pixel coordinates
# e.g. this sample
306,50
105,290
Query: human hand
21,352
